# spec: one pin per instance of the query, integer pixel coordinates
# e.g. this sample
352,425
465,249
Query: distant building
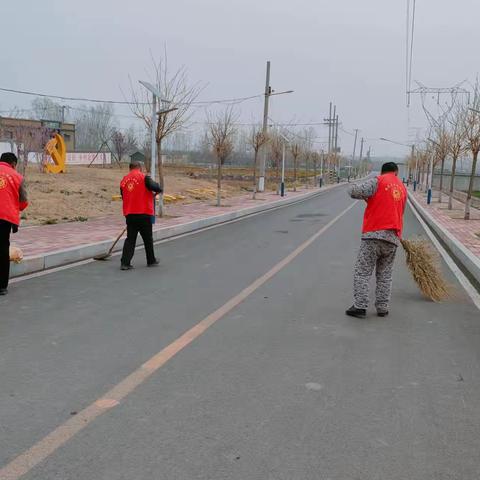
9,127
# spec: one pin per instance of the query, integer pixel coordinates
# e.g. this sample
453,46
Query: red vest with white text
136,196
10,205
385,208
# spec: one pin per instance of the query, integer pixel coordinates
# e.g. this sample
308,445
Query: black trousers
5,229
137,223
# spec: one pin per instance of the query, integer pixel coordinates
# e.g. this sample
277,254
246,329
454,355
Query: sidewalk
48,246
466,232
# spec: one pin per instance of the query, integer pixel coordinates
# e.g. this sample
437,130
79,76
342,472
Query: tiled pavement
466,231
37,240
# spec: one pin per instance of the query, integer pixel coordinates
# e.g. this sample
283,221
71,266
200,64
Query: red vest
136,197
10,206
385,209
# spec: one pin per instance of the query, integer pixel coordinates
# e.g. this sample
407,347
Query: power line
411,45
125,102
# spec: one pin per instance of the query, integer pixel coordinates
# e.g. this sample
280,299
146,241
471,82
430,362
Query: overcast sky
349,51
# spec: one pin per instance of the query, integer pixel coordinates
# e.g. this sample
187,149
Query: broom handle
116,241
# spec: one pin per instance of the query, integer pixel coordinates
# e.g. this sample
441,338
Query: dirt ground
84,193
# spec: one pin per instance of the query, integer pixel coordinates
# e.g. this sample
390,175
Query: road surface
272,380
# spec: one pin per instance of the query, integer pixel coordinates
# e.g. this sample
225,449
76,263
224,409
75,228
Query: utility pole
263,159
361,152
334,140
353,154
354,145
330,130
336,134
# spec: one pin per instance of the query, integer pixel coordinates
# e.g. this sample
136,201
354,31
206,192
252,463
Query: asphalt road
283,386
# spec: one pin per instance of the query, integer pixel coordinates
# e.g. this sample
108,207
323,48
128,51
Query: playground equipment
56,148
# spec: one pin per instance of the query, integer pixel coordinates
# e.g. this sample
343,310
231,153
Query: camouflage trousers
375,255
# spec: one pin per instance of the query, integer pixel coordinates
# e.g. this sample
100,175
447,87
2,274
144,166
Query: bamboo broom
425,269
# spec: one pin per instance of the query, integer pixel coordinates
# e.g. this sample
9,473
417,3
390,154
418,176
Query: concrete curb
460,252
87,251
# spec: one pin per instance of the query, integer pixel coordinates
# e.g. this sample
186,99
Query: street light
412,146
155,94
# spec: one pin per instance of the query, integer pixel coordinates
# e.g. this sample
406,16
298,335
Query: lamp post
153,144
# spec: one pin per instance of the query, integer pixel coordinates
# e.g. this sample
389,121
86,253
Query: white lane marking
462,279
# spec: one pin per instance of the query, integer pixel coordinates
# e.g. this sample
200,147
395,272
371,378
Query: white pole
321,168
153,142
153,161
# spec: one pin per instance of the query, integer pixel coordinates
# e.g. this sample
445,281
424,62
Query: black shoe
156,263
3,291
382,313
356,312
126,267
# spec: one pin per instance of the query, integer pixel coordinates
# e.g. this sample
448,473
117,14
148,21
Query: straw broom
425,269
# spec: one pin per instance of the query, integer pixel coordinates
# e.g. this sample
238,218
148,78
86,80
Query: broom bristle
425,269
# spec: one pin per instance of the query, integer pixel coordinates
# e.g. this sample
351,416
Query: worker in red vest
386,197
138,193
13,199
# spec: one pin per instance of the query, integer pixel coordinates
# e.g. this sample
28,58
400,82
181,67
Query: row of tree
454,134
97,129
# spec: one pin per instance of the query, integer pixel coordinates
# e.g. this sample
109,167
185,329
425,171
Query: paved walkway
36,240
466,231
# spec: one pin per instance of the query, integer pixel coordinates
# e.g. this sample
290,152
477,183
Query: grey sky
348,51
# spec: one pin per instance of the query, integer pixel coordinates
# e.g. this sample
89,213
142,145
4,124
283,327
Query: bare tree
471,131
221,137
46,109
93,126
29,139
119,145
276,151
315,159
257,140
296,151
440,152
456,146
177,98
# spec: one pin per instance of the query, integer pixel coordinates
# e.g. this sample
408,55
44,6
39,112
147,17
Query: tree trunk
315,173
255,159
306,174
470,186
422,179
24,163
161,179
441,180
294,174
219,183
452,182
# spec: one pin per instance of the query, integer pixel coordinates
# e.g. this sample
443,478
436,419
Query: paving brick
466,231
